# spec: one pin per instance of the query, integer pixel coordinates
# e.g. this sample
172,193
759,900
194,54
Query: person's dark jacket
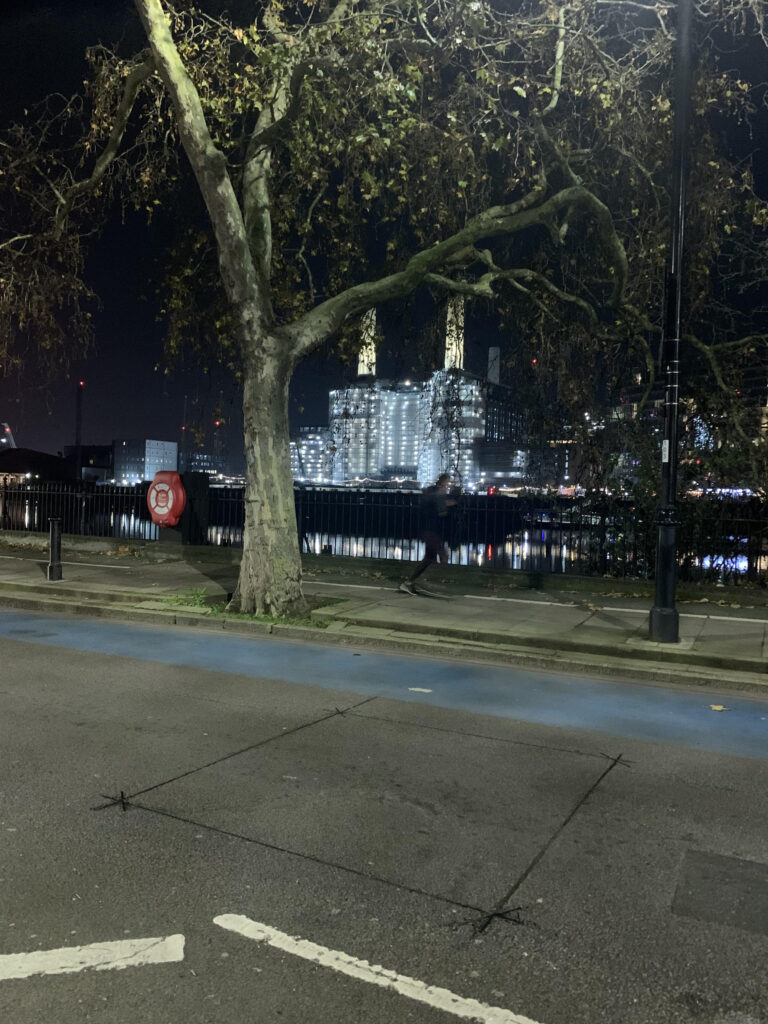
433,510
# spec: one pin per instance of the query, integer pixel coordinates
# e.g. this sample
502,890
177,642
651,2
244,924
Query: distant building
400,430
503,454
137,460
312,456
201,461
18,465
355,418
453,410
95,461
454,422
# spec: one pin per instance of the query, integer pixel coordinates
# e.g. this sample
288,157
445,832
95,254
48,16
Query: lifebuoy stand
166,498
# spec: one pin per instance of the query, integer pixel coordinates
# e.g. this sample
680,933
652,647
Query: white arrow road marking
99,956
439,998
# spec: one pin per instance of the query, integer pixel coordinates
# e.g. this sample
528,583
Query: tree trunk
270,571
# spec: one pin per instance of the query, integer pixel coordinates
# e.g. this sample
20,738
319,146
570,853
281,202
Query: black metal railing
84,509
718,539
538,534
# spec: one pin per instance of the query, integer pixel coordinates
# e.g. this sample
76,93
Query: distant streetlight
664,623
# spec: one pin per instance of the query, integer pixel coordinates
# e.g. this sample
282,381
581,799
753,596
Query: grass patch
195,597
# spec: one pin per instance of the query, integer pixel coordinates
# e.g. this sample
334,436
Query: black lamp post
664,619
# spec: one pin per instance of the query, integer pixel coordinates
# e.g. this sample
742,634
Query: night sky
128,391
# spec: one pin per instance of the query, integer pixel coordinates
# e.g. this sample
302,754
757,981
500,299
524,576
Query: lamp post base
664,625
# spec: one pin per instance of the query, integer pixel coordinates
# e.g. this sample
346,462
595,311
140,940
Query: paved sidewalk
720,641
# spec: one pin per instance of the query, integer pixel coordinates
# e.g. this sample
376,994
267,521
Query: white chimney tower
454,334
366,360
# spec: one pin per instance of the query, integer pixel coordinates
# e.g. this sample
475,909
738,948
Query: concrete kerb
432,647
667,653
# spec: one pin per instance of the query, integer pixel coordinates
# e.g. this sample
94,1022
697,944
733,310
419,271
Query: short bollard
54,564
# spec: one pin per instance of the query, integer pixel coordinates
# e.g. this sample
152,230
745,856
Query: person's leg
432,546
431,549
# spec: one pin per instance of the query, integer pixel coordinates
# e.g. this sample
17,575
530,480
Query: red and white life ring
166,498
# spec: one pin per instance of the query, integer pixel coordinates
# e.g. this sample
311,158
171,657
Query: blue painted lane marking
570,702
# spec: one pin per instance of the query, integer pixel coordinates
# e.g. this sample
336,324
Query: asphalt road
197,828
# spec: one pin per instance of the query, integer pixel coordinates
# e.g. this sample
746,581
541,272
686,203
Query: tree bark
270,570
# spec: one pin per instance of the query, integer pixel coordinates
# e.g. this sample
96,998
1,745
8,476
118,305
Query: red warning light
81,383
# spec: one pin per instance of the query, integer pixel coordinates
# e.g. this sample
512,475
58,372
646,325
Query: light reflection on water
534,551
539,554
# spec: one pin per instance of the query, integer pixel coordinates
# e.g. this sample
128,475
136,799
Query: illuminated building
135,461
454,422
400,430
312,456
354,414
453,411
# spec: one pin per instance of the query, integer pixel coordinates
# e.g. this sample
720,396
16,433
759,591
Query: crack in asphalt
124,798
479,735
265,844
498,911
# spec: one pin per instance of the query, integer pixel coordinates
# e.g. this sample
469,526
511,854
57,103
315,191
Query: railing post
54,564
82,500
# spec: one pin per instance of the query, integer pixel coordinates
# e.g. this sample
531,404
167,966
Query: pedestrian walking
433,512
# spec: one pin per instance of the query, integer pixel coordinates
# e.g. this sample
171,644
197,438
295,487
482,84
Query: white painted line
611,608
542,604
689,615
92,565
522,600
351,586
99,956
101,565
438,998
418,689
720,618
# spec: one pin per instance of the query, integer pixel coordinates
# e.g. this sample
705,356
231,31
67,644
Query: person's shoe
407,588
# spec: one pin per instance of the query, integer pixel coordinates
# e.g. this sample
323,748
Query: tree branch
532,276
133,82
16,238
245,290
717,374
273,121
558,73
320,323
